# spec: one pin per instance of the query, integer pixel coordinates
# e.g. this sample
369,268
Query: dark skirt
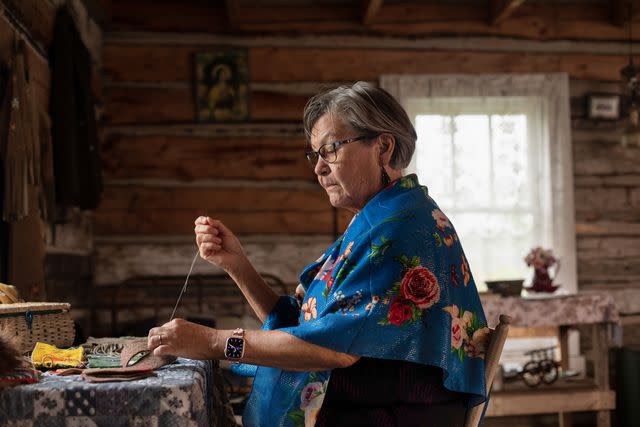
377,392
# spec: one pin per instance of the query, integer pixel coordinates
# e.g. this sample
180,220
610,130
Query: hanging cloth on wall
46,196
22,249
4,126
76,152
20,152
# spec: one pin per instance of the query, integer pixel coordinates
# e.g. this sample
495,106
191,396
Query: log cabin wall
163,169
49,260
24,237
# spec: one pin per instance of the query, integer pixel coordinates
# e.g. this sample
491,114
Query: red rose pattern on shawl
416,292
420,286
400,311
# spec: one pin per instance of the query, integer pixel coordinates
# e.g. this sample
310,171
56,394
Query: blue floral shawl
396,285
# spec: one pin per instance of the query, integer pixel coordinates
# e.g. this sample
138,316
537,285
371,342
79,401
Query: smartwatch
234,348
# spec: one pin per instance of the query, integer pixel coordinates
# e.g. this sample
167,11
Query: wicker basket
29,322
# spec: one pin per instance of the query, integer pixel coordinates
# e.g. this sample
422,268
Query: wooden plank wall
163,169
607,201
25,263
32,241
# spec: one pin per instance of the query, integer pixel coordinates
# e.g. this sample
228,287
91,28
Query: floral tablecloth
185,393
581,308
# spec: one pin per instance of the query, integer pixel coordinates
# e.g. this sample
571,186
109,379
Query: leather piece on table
149,361
142,369
100,375
69,371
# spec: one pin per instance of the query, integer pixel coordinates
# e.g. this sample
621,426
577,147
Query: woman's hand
218,244
184,339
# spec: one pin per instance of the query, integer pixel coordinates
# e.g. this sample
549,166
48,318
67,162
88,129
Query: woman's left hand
184,339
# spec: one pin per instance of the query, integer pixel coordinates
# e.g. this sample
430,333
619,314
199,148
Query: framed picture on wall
603,106
222,85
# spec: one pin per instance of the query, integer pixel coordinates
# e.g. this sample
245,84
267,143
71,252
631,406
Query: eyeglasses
329,151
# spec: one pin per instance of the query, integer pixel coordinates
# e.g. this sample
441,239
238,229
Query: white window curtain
524,121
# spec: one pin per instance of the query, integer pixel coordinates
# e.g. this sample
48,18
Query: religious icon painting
222,85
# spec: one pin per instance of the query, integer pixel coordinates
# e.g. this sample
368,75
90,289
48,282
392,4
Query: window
480,161
495,152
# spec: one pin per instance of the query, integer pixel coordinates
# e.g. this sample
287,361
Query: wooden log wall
162,168
607,190
25,260
36,247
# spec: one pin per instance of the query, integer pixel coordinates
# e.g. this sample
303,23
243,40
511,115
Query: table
185,393
597,309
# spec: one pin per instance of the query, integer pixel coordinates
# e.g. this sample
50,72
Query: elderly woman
386,327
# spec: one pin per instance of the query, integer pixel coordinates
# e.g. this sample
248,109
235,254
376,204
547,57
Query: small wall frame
222,85
603,106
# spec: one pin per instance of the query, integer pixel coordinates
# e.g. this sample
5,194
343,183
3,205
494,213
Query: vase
542,281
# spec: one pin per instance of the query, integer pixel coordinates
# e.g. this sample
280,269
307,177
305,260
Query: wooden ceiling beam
233,13
533,20
501,10
622,11
371,9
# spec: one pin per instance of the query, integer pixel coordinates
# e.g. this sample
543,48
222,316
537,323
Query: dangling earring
385,177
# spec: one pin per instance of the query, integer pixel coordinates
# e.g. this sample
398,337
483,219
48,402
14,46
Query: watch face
235,348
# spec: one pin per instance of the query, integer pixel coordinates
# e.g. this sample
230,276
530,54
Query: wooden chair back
497,337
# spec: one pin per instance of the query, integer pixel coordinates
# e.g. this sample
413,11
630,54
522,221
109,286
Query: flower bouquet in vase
542,260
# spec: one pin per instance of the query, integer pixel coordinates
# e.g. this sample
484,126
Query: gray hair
369,110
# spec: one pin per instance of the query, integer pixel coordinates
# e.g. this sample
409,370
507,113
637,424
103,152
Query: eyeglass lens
312,156
326,152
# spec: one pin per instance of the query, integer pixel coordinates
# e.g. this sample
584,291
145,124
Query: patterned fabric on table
186,393
396,285
553,310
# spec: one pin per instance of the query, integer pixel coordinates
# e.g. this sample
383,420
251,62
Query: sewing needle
184,287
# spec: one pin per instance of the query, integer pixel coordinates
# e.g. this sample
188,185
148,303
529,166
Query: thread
184,287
